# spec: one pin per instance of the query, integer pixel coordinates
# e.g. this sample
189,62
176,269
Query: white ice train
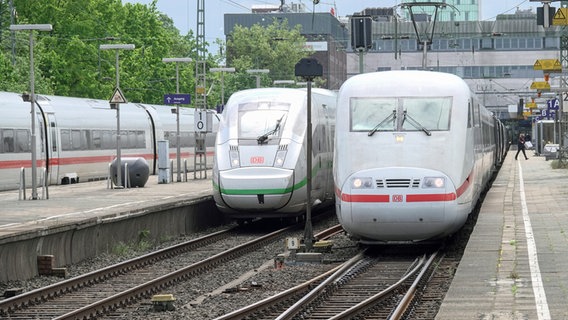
261,155
76,137
414,151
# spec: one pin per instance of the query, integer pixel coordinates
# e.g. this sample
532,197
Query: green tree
276,47
70,62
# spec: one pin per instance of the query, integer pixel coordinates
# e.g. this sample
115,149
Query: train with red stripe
414,150
76,137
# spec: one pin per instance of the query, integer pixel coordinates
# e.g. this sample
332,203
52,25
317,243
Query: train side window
7,140
65,140
53,137
22,143
96,139
171,137
185,139
140,139
469,113
477,115
107,139
78,139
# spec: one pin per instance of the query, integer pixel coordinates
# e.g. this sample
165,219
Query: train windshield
262,120
400,114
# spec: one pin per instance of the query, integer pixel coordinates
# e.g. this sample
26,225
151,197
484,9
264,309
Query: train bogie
261,153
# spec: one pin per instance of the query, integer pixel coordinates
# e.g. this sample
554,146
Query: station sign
540,85
177,98
548,65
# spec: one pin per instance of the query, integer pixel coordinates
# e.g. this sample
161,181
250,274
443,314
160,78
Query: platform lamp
222,70
258,73
117,47
31,28
178,141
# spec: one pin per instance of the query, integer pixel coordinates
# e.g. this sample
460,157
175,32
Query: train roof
404,82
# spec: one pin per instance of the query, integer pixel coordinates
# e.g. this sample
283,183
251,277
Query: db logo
257,160
397,198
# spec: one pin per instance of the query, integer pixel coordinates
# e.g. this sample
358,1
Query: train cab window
372,114
430,113
262,119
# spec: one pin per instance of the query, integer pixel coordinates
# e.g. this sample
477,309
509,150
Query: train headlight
279,159
234,158
362,183
434,182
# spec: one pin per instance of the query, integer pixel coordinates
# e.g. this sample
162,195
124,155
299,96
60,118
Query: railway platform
514,265
81,220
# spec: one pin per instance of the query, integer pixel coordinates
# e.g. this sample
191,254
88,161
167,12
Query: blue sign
553,104
177,98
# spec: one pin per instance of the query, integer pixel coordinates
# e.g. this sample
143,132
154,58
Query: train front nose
256,189
400,204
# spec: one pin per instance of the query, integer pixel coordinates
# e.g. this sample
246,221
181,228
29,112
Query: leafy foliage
68,60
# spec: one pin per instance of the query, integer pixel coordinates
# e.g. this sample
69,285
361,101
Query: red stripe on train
15,164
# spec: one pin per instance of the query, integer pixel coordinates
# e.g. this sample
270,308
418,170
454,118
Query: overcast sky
184,12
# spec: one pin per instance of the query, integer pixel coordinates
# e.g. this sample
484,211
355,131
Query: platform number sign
553,104
200,120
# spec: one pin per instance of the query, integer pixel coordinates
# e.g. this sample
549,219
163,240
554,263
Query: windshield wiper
262,139
415,124
392,116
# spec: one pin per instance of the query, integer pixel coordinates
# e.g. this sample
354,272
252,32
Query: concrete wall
75,242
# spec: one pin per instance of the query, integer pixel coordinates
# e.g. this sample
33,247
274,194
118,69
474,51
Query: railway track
366,287
108,289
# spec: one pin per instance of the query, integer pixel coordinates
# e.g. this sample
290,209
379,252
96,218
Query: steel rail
410,294
313,294
144,290
49,292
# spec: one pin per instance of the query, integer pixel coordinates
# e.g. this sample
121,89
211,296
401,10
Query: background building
467,10
325,34
496,58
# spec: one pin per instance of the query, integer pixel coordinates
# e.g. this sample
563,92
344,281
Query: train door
52,148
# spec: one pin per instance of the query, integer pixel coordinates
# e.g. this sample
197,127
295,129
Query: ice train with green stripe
261,153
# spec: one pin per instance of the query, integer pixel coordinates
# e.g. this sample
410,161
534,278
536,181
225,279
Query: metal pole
118,156
223,89
308,232
178,141
361,65
32,101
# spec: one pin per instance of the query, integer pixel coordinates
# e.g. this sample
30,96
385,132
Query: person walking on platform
521,146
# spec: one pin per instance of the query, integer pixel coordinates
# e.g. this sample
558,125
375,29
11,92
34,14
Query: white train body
260,152
76,137
414,150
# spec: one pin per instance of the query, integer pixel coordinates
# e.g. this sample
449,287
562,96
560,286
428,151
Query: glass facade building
456,10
